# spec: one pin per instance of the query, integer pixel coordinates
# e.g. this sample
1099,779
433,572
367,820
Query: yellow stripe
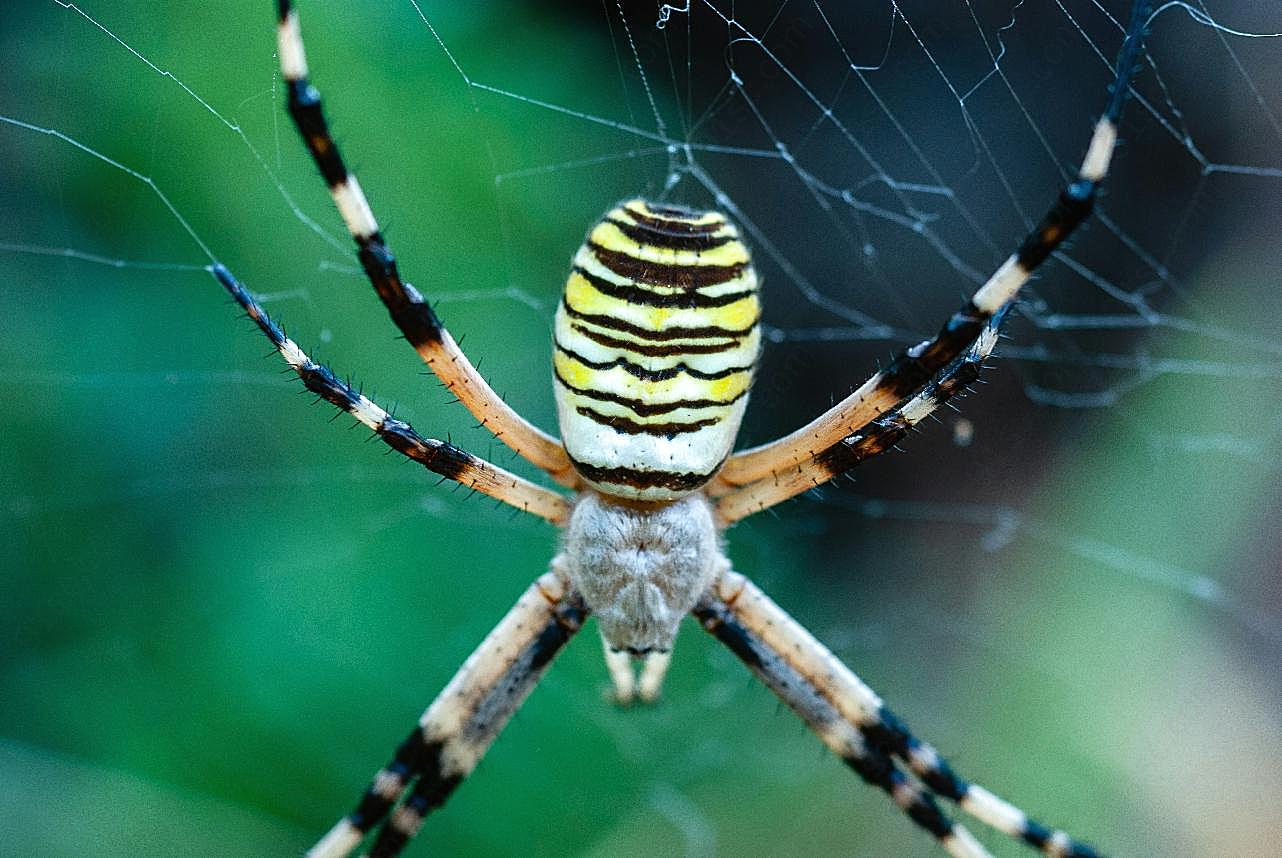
738,354
642,208
629,212
743,350
620,382
584,298
611,237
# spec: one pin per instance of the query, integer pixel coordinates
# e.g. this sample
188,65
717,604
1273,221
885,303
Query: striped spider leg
437,456
462,721
844,712
756,479
878,435
468,715
854,723
847,715
411,313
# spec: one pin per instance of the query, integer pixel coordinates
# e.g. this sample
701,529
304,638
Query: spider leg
437,456
914,366
871,440
849,717
791,677
462,722
411,313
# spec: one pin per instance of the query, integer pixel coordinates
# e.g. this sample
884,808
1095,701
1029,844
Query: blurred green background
219,613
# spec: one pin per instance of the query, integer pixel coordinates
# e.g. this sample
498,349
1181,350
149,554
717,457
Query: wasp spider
656,341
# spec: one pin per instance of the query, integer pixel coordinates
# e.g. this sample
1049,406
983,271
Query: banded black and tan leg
437,456
871,440
803,691
461,724
915,366
411,313
830,697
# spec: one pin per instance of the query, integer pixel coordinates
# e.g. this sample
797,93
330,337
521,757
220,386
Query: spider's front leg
771,473
461,724
439,457
874,438
411,313
854,723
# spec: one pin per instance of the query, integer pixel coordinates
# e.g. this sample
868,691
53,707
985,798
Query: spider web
1071,584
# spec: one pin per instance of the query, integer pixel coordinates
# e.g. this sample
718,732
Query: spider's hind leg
462,722
852,721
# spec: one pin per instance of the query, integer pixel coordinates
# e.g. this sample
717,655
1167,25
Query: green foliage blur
219,613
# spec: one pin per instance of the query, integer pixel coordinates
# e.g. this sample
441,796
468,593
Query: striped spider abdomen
656,344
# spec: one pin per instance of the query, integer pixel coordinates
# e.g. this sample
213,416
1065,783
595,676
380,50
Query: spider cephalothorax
656,344
641,569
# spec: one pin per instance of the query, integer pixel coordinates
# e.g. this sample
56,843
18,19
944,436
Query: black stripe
669,239
639,479
305,108
1039,837
414,757
1073,206
657,351
913,367
1035,834
646,409
877,770
890,733
886,431
667,334
923,810
718,621
410,313
554,636
444,458
661,274
282,10
687,299
678,224
652,374
873,440
426,760
873,765
392,840
910,370
630,427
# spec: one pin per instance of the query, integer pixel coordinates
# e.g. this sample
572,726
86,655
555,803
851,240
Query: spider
655,345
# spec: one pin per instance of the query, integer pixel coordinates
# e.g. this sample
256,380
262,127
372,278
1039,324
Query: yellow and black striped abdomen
655,348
